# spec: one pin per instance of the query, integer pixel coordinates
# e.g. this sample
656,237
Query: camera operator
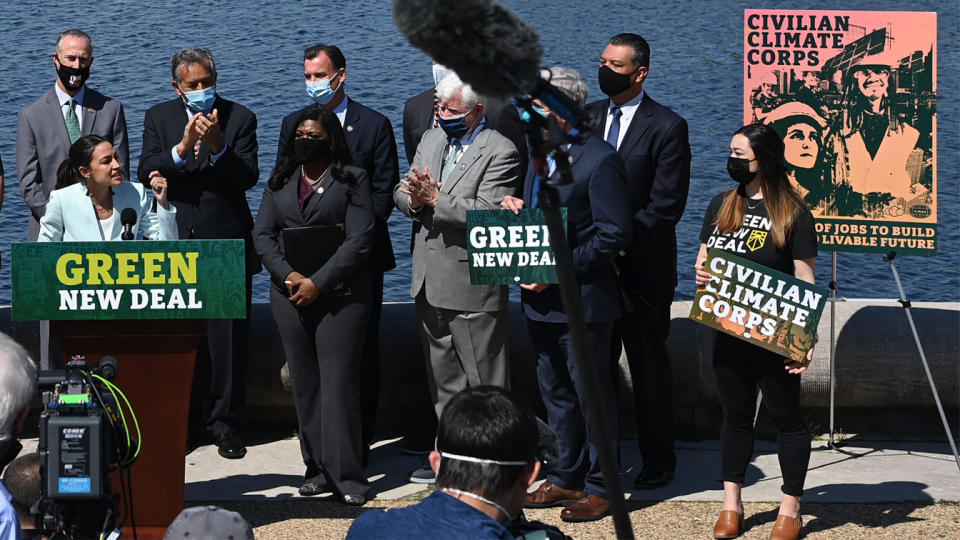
18,383
22,480
485,459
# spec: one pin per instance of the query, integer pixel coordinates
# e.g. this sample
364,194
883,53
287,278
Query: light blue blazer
70,216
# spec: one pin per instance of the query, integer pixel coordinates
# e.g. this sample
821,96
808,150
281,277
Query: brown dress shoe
786,528
549,494
589,508
729,524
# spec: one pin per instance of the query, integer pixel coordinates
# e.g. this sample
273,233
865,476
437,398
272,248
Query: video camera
83,437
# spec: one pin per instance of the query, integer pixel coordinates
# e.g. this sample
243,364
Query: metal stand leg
833,348
916,337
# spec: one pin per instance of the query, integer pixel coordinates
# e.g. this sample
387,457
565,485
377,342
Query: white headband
458,457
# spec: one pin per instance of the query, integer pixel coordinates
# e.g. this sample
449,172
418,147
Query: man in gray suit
48,126
458,166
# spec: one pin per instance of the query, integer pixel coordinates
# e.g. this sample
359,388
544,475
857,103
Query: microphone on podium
128,218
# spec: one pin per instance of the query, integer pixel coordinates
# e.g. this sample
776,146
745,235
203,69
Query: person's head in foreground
208,523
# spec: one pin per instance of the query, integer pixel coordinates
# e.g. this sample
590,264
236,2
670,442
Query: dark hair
782,201
641,50
332,52
189,56
339,152
22,480
855,104
485,422
79,155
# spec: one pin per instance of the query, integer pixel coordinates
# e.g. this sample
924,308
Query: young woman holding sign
779,235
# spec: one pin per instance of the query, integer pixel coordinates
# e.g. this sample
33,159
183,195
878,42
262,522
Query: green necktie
73,123
451,162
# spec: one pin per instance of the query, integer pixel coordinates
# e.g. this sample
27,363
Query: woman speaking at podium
314,233
91,195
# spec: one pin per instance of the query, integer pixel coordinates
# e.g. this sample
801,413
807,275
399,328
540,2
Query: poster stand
831,443
923,358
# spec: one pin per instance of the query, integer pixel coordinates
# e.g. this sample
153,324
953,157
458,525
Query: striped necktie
73,123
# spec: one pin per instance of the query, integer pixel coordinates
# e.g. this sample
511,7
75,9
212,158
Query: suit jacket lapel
56,117
317,195
574,152
350,121
89,114
466,161
638,126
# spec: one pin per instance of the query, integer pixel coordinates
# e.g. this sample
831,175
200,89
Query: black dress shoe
314,486
353,500
652,479
229,445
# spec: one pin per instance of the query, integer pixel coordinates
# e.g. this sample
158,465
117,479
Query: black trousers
740,369
370,361
224,358
322,344
643,334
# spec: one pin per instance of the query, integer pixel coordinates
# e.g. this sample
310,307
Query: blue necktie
614,132
535,192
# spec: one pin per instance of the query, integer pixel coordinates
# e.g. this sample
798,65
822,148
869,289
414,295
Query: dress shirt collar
63,97
341,110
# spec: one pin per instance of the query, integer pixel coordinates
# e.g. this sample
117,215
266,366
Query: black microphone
483,41
128,217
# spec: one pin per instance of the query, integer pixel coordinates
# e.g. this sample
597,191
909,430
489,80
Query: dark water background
696,69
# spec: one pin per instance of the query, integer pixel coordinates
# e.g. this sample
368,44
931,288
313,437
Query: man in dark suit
598,226
374,149
206,147
47,127
653,142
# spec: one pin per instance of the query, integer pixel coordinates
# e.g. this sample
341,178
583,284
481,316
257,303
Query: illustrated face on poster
853,94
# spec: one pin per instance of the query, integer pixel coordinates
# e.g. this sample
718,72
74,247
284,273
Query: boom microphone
128,217
485,43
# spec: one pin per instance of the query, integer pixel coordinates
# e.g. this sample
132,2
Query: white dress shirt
64,98
628,110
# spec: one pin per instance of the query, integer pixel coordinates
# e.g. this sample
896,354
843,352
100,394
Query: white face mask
439,72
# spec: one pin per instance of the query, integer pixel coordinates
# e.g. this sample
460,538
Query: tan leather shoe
589,508
786,528
729,524
549,494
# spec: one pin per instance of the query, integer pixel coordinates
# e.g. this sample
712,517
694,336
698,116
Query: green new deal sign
182,279
509,249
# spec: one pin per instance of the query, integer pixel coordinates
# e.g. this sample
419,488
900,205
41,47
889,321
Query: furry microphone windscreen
483,41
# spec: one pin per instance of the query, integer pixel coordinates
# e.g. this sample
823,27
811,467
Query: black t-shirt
753,240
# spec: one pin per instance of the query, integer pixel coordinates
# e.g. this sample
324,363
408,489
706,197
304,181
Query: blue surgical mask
455,128
201,100
320,91
525,116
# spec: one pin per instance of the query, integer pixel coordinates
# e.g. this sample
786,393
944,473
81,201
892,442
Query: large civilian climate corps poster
853,94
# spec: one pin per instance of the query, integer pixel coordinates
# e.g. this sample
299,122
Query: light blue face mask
320,91
201,100
525,115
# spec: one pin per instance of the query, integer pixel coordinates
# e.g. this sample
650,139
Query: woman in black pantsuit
322,328
765,221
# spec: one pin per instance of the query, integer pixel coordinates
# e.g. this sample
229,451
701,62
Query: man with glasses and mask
459,166
47,127
373,148
485,457
206,147
653,143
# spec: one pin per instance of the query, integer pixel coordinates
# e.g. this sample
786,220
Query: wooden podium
146,304
155,370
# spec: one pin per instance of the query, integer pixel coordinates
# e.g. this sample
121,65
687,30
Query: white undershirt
106,225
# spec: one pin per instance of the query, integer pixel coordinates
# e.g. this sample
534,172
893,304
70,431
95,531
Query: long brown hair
781,199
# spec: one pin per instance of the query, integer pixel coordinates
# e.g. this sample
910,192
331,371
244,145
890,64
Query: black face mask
310,150
613,83
73,78
739,169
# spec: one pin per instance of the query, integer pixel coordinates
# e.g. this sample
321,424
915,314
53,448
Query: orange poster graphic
853,94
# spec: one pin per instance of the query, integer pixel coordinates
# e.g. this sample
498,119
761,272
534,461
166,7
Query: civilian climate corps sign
184,279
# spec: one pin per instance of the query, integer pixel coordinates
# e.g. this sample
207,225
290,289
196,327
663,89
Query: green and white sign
182,279
765,307
508,249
